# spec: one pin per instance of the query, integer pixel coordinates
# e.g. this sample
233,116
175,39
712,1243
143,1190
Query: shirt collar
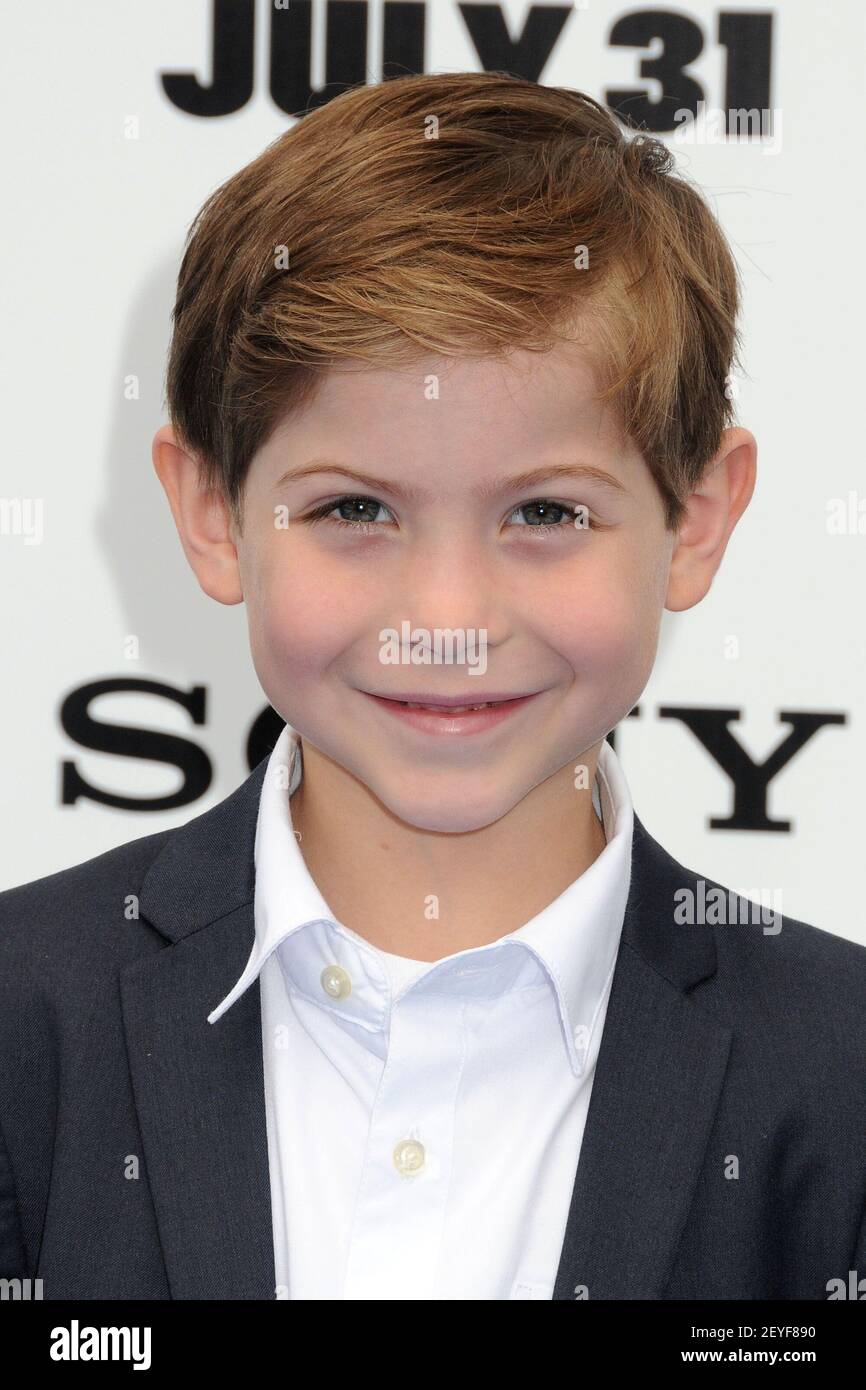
572,942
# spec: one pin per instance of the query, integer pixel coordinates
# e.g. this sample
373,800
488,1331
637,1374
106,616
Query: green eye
563,514
361,523
541,516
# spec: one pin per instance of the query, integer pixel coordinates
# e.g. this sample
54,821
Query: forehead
455,421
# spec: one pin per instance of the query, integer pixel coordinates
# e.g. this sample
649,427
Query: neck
428,894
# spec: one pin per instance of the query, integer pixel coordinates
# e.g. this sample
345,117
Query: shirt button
336,982
408,1157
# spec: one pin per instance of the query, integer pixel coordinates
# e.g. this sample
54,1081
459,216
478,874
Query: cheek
301,613
606,620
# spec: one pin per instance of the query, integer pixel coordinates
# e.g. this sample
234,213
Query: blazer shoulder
767,965
755,932
32,914
797,988
777,944
88,914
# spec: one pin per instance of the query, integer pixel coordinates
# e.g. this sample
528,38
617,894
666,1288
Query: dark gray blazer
724,1047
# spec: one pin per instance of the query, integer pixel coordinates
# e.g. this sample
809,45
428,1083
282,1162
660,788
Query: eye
361,511
545,516
540,517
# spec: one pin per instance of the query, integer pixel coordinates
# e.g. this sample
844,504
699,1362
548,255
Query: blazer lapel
199,1087
658,1079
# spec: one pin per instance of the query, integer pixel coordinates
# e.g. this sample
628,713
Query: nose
451,584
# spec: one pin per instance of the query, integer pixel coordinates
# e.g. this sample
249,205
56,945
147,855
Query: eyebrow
583,472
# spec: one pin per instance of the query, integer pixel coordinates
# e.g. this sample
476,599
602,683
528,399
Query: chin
453,817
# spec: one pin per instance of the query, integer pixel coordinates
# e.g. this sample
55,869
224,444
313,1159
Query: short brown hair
443,214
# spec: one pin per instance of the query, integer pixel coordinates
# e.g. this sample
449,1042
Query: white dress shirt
425,1119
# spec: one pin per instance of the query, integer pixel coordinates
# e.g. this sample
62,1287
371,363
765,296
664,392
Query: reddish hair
442,214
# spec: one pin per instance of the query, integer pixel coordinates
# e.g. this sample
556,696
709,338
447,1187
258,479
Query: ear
202,519
712,512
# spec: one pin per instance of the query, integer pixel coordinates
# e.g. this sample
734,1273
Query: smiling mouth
451,709
430,708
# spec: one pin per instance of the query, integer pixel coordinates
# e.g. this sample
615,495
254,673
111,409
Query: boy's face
570,616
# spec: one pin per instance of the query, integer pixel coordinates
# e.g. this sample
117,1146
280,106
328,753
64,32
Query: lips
448,704
456,717
450,709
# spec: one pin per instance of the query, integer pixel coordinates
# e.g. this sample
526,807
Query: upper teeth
448,709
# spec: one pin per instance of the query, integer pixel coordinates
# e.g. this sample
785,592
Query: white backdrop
102,175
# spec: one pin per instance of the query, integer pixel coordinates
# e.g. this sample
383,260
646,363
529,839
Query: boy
413,1014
